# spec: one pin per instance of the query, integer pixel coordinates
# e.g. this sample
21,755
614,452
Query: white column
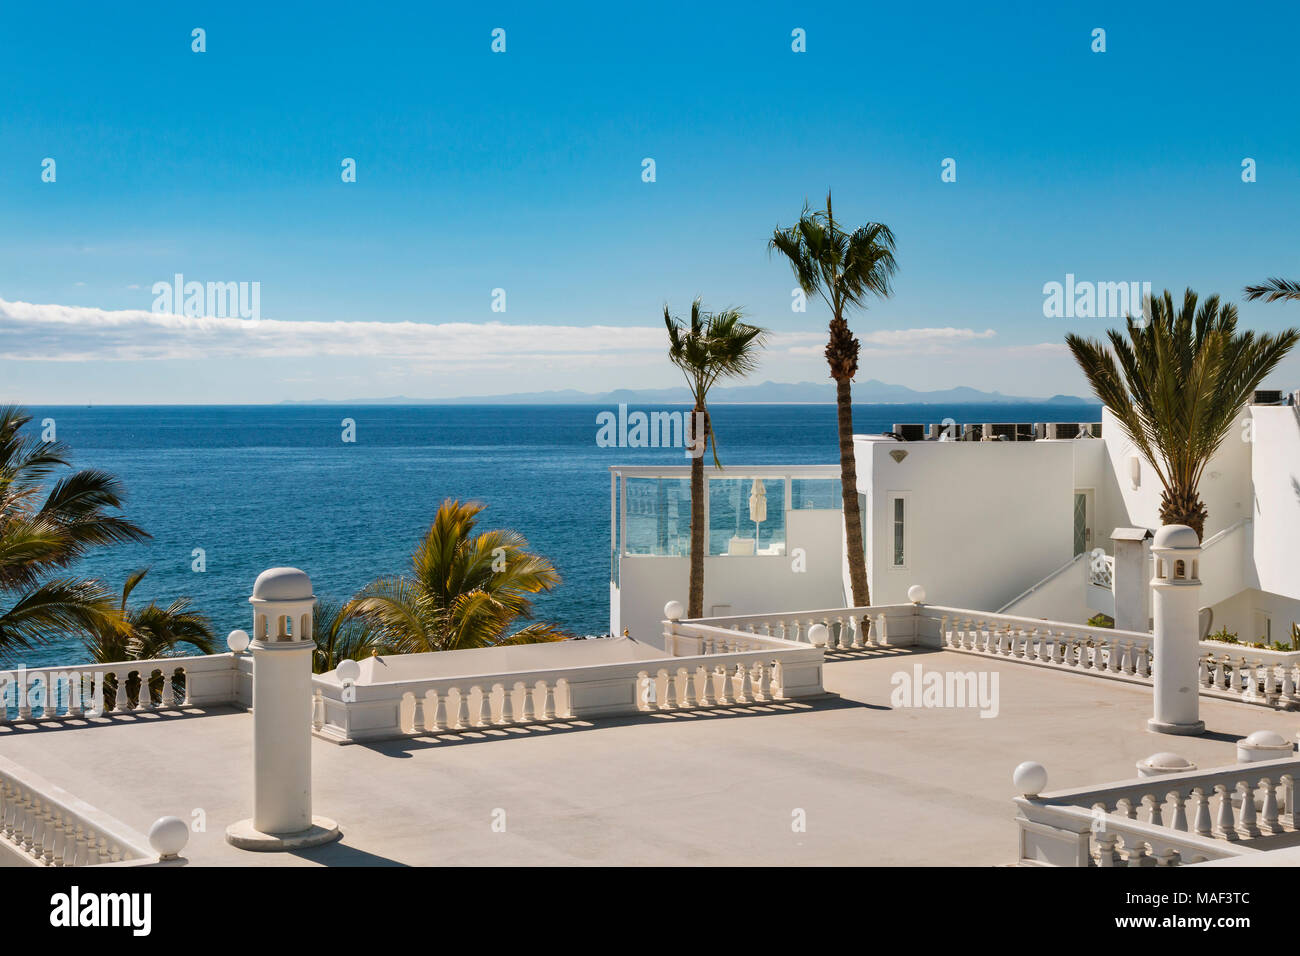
1175,598
281,736
282,717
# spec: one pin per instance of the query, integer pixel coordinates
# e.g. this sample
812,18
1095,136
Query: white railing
1227,671
705,669
44,825
1101,571
852,628
1079,647
96,690
1165,820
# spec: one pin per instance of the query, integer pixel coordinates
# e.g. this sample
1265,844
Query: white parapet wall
96,690
455,691
1172,819
44,825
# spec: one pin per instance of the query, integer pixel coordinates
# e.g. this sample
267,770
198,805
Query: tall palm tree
343,634
43,531
464,590
1274,289
147,633
715,345
1176,386
844,268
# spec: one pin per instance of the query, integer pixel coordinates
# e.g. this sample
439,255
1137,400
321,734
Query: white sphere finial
237,641
168,837
916,594
1030,778
348,671
673,610
818,635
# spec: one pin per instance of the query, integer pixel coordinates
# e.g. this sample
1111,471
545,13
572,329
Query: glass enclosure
658,516
746,516
745,509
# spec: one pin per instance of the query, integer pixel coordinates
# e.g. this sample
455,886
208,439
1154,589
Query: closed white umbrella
757,507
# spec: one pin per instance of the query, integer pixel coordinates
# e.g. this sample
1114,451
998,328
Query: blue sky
522,171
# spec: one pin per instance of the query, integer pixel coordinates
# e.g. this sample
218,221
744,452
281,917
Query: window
898,510
657,512
822,493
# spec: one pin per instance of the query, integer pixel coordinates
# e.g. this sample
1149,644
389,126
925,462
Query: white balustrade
854,628
705,667
1166,820
65,692
44,825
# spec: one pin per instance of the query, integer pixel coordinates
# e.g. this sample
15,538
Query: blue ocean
258,486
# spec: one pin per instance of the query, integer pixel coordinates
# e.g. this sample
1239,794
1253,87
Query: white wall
1276,476
1225,487
985,520
745,584
1240,614
1060,598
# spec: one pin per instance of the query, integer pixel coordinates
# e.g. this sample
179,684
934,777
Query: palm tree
464,590
44,531
845,268
1176,385
715,345
1274,289
147,633
343,634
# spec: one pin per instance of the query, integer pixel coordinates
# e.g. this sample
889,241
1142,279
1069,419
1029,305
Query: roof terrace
851,777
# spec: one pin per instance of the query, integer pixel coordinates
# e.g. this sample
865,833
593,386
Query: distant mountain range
871,392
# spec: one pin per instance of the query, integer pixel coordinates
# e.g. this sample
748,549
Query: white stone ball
348,671
916,594
1030,778
237,641
168,837
818,635
673,610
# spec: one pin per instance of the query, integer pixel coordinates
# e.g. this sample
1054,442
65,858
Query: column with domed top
282,648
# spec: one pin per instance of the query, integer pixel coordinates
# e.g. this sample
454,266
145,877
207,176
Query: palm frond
1271,290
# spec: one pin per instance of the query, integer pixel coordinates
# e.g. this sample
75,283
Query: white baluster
1224,827
1270,823
687,680
417,716
669,701
462,708
702,678
725,691
1247,824
1179,821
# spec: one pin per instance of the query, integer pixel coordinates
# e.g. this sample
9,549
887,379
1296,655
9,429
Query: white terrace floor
878,785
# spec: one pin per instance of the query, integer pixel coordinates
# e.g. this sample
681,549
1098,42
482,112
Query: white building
1023,527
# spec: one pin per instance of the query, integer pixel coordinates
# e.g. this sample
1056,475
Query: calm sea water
259,486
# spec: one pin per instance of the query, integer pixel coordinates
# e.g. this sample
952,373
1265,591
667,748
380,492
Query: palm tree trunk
698,419
849,490
1184,506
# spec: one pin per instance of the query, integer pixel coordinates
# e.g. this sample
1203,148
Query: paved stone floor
873,784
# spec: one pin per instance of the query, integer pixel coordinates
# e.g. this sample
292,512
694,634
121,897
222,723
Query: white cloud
905,341
72,333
